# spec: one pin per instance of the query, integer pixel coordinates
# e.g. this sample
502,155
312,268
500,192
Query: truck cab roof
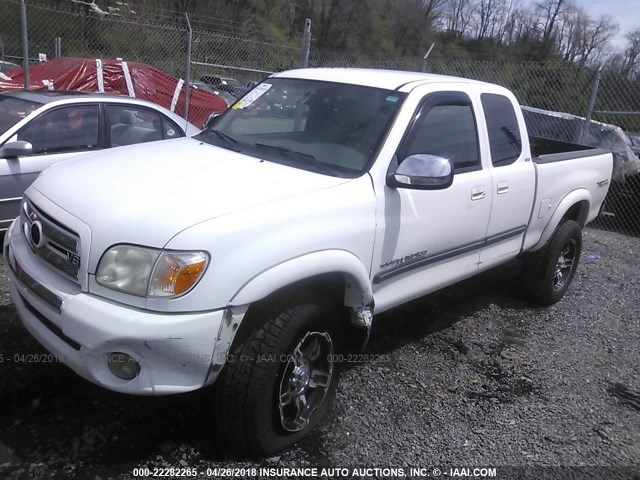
388,79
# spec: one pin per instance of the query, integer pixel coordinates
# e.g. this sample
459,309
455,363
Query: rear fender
580,198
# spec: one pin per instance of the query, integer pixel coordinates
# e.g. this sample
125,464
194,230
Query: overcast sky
625,12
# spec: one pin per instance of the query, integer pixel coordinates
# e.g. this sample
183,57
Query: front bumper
176,352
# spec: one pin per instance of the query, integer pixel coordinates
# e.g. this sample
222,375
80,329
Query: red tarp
110,76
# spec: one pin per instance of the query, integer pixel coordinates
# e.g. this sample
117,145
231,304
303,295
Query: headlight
147,272
127,268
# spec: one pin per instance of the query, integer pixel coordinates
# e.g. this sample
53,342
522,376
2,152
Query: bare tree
631,60
550,13
431,10
515,23
411,22
598,36
489,15
506,13
457,16
583,39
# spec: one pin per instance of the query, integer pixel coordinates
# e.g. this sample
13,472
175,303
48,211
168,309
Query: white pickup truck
253,254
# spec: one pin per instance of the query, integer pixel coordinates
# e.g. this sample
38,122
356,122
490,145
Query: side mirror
16,149
422,171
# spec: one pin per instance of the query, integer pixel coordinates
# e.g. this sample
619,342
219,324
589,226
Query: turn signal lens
176,273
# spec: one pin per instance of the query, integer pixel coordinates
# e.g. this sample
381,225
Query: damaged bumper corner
231,320
363,317
175,352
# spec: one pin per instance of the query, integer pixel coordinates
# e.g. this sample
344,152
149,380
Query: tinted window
12,110
170,129
448,131
131,124
66,129
327,127
503,129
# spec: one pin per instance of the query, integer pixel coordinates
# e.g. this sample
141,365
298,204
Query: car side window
65,129
170,129
130,124
449,131
503,129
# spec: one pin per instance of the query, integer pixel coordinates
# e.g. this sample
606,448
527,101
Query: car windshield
12,110
326,127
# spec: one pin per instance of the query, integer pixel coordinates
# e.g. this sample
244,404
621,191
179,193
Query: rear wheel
548,272
282,378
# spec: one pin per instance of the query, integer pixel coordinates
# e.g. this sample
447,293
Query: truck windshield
12,110
326,127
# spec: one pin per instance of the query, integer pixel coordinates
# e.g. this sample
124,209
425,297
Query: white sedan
40,128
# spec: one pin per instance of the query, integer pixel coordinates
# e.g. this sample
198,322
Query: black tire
247,407
546,275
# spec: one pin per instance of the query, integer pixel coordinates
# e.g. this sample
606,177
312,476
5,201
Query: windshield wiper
231,142
301,160
286,151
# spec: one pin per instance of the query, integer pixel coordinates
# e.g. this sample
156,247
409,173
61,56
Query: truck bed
547,150
579,177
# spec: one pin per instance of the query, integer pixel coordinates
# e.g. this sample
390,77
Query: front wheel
282,378
548,272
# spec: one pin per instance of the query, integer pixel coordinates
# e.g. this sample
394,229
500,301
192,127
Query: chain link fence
234,50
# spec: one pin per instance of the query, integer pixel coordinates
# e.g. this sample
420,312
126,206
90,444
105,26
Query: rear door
130,124
513,176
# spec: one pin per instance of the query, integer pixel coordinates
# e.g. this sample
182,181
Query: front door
56,135
433,237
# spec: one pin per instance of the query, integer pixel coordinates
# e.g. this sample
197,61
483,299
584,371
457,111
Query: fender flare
571,199
358,293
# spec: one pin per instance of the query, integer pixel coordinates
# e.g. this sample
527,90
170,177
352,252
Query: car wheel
548,272
282,379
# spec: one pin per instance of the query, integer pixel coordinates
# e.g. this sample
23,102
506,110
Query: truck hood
146,194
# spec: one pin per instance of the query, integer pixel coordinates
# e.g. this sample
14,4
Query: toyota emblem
37,238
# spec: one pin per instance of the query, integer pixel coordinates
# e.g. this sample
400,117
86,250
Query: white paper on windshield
252,96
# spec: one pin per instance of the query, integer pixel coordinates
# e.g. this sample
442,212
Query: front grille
50,240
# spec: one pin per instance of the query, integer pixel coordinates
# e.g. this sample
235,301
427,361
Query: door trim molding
411,264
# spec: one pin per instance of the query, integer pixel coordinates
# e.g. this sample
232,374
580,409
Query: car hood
146,194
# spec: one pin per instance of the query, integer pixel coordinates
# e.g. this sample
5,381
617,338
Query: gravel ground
472,375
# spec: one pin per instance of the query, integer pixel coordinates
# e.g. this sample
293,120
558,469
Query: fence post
25,43
187,73
592,103
425,59
306,43
58,47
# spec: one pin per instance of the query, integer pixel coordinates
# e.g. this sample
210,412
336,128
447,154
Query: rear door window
503,129
130,124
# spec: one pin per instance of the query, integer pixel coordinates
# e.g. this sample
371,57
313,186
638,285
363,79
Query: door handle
503,187
478,193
